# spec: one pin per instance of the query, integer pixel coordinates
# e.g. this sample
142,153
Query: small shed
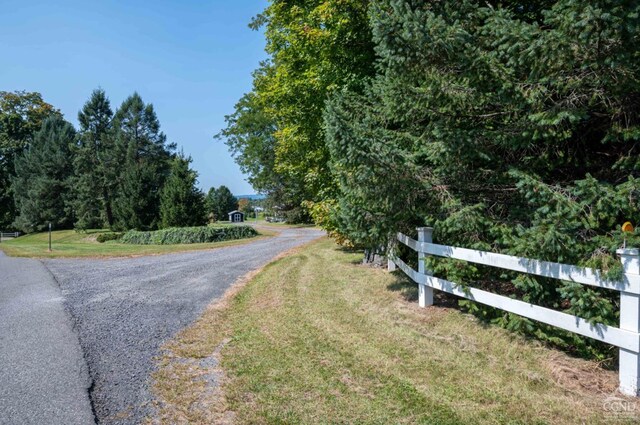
236,216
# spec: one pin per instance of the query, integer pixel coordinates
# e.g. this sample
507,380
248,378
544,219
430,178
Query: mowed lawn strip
69,243
316,338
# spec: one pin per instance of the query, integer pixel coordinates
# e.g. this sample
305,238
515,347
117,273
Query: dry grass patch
315,338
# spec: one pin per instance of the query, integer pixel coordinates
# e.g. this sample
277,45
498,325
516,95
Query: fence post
391,266
425,293
630,321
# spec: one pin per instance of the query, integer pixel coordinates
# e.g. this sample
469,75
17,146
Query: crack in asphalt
74,329
44,377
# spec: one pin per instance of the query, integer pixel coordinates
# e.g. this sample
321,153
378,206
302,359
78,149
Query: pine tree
181,202
226,202
144,155
210,204
510,128
220,202
41,185
94,164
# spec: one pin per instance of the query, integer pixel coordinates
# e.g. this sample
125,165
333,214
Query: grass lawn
316,338
69,243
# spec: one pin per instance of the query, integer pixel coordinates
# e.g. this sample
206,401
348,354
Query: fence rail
626,337
8,235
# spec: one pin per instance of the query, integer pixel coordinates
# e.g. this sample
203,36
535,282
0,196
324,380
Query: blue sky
191,59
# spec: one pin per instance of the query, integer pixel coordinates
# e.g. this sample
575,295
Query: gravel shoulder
125,309
43,375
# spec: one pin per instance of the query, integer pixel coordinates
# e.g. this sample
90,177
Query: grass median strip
316,338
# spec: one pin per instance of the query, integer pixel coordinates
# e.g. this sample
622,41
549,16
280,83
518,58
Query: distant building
236,217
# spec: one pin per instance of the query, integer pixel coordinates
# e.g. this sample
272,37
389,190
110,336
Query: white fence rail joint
626,337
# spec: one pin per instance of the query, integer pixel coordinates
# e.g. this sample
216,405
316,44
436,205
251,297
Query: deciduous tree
315,48
21,116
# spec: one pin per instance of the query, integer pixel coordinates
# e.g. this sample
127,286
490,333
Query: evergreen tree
144,157
94,164
181,202
220,202
210,204
510,128
135,206
41,185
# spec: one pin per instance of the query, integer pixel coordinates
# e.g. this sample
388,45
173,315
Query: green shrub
185,235
104,237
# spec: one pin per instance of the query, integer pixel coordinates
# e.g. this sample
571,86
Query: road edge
217,374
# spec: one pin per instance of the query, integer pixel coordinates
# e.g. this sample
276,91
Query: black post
49,236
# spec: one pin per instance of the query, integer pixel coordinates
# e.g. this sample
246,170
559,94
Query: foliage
181,202
111,236
323,214
188,235
276,132
119,172
41,185
94,163
21,116
250,137
511,127
244,205
144,161
297,215
220,202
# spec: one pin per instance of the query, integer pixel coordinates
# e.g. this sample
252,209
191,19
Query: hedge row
185,235
105,237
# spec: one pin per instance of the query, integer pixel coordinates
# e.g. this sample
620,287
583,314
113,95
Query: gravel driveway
125,309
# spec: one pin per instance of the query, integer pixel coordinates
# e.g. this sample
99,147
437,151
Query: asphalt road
43,375
124,309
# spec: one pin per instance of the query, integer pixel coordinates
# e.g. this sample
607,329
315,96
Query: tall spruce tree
144,157
209,204
41,185
94,164
181,202
512,127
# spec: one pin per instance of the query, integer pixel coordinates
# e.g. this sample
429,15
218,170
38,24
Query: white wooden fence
626,337
5,235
